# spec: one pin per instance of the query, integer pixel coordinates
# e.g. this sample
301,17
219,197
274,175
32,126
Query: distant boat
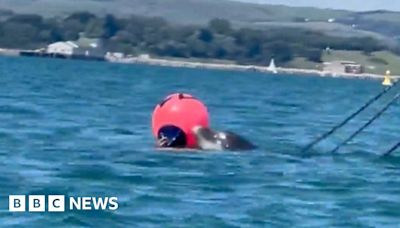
272,67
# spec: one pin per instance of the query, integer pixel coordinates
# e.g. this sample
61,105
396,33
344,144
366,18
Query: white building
331,20
81,47
64,48
144,56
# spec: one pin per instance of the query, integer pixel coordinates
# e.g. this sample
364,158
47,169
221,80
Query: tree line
217,40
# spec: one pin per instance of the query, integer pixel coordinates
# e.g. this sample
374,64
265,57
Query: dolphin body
208,139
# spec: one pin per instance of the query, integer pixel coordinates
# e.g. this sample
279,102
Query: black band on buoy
162,103
172,136
180,97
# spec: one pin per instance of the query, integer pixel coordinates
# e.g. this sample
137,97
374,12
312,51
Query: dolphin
208,139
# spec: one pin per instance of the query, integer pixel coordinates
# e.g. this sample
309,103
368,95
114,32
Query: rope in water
352,116
377,115
394,148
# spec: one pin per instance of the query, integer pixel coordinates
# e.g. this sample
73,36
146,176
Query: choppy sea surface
83,129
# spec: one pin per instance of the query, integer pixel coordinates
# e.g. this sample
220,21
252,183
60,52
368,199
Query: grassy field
303,63
333,29
377,62
382,16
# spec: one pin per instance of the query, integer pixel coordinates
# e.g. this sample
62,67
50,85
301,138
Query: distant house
144,56
62,48
343,67
328,50
89,47
82,47
353,68
113,56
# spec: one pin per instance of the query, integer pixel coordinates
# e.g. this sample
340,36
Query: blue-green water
83,129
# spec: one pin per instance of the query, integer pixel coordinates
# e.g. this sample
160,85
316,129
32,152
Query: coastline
9,52
186,63
236,67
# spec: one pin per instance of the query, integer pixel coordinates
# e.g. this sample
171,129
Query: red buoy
183,111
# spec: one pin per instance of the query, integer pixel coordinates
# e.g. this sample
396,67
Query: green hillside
338,25
181,11
378,24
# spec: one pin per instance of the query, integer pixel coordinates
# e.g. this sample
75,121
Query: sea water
80,128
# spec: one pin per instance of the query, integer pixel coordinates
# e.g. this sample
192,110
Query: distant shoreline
185,63
247,68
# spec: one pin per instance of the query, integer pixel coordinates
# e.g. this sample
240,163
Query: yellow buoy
387,81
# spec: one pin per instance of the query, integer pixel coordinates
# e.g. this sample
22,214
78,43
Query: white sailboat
272,67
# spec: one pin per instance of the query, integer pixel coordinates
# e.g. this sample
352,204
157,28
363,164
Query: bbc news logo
58,203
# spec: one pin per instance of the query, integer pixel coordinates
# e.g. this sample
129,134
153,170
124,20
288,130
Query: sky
355,5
